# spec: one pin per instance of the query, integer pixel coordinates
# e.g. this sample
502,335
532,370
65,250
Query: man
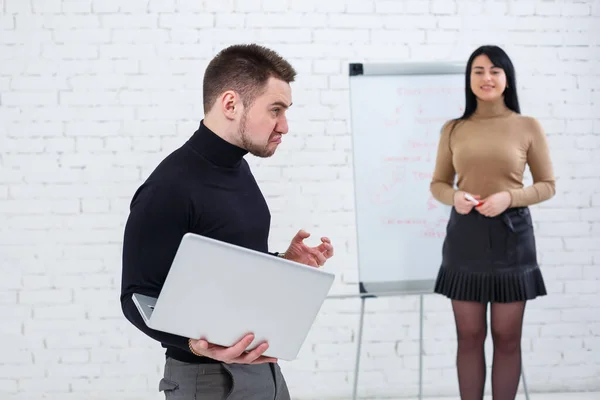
206,187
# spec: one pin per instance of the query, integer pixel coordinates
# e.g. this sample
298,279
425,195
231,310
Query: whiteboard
397,112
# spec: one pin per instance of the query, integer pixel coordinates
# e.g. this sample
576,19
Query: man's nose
282,126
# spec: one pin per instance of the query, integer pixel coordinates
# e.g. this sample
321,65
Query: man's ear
230,104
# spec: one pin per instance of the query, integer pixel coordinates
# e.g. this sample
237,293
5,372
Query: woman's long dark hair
500,59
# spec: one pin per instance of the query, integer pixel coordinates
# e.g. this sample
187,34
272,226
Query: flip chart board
397,112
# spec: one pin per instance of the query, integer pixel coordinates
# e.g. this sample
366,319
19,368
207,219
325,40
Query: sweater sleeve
540,165
158,219
442,183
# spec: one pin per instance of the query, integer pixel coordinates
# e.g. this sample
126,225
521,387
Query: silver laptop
220,292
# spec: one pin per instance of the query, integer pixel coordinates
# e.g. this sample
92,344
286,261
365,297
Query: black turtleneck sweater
204,187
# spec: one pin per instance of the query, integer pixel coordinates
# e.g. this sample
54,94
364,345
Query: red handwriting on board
397,221
428,230
413,125
427,91
393,121
436,230
431,203
422,175
422,145
434,234
403,158
397,172
429,120
386,183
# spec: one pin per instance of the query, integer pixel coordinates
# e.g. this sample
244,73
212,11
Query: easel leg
524,381
421,349
358,347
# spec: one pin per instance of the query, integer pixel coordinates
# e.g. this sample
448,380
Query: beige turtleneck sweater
488,153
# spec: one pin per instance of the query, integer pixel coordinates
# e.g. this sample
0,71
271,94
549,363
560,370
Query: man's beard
253,148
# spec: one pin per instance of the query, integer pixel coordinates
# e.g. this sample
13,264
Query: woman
489,253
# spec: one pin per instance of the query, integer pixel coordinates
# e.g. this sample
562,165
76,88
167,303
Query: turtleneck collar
216,149
491,109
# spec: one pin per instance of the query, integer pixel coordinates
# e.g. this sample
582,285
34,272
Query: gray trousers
183,381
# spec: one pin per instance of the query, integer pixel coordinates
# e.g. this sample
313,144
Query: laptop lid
220,292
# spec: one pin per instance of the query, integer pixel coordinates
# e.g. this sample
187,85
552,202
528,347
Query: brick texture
94,93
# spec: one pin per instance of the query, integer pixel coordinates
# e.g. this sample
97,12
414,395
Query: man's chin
264,153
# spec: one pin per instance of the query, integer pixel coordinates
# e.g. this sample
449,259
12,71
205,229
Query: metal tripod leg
524,382
421,350
358,348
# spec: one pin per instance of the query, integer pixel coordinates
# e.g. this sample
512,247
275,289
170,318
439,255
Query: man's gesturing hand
313,256
235,354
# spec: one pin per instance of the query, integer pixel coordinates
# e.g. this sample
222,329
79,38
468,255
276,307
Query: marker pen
472,199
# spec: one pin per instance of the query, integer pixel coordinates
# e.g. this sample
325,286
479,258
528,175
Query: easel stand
363,297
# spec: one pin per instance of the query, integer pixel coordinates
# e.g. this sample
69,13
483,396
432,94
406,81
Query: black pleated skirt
490,259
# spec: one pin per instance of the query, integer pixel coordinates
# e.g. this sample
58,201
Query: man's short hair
245,69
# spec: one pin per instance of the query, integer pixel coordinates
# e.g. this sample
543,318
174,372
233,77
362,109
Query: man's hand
235,354
313,256
494,204
461,204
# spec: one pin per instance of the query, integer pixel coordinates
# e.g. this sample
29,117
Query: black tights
471,328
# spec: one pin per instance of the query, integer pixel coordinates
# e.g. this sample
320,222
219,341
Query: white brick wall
93,93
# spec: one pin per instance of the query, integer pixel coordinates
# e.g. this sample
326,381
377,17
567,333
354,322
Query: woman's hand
461,204
494,204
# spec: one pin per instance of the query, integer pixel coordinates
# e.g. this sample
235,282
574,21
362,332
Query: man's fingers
238,354
329,252
322,259
300,236
319,257
230,353
315,256
263,360
326,249
202,344
253,355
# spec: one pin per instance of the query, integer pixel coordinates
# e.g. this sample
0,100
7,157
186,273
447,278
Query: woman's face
488,82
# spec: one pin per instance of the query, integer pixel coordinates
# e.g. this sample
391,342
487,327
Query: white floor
532,396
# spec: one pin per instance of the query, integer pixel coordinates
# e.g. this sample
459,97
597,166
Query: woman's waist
488,187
